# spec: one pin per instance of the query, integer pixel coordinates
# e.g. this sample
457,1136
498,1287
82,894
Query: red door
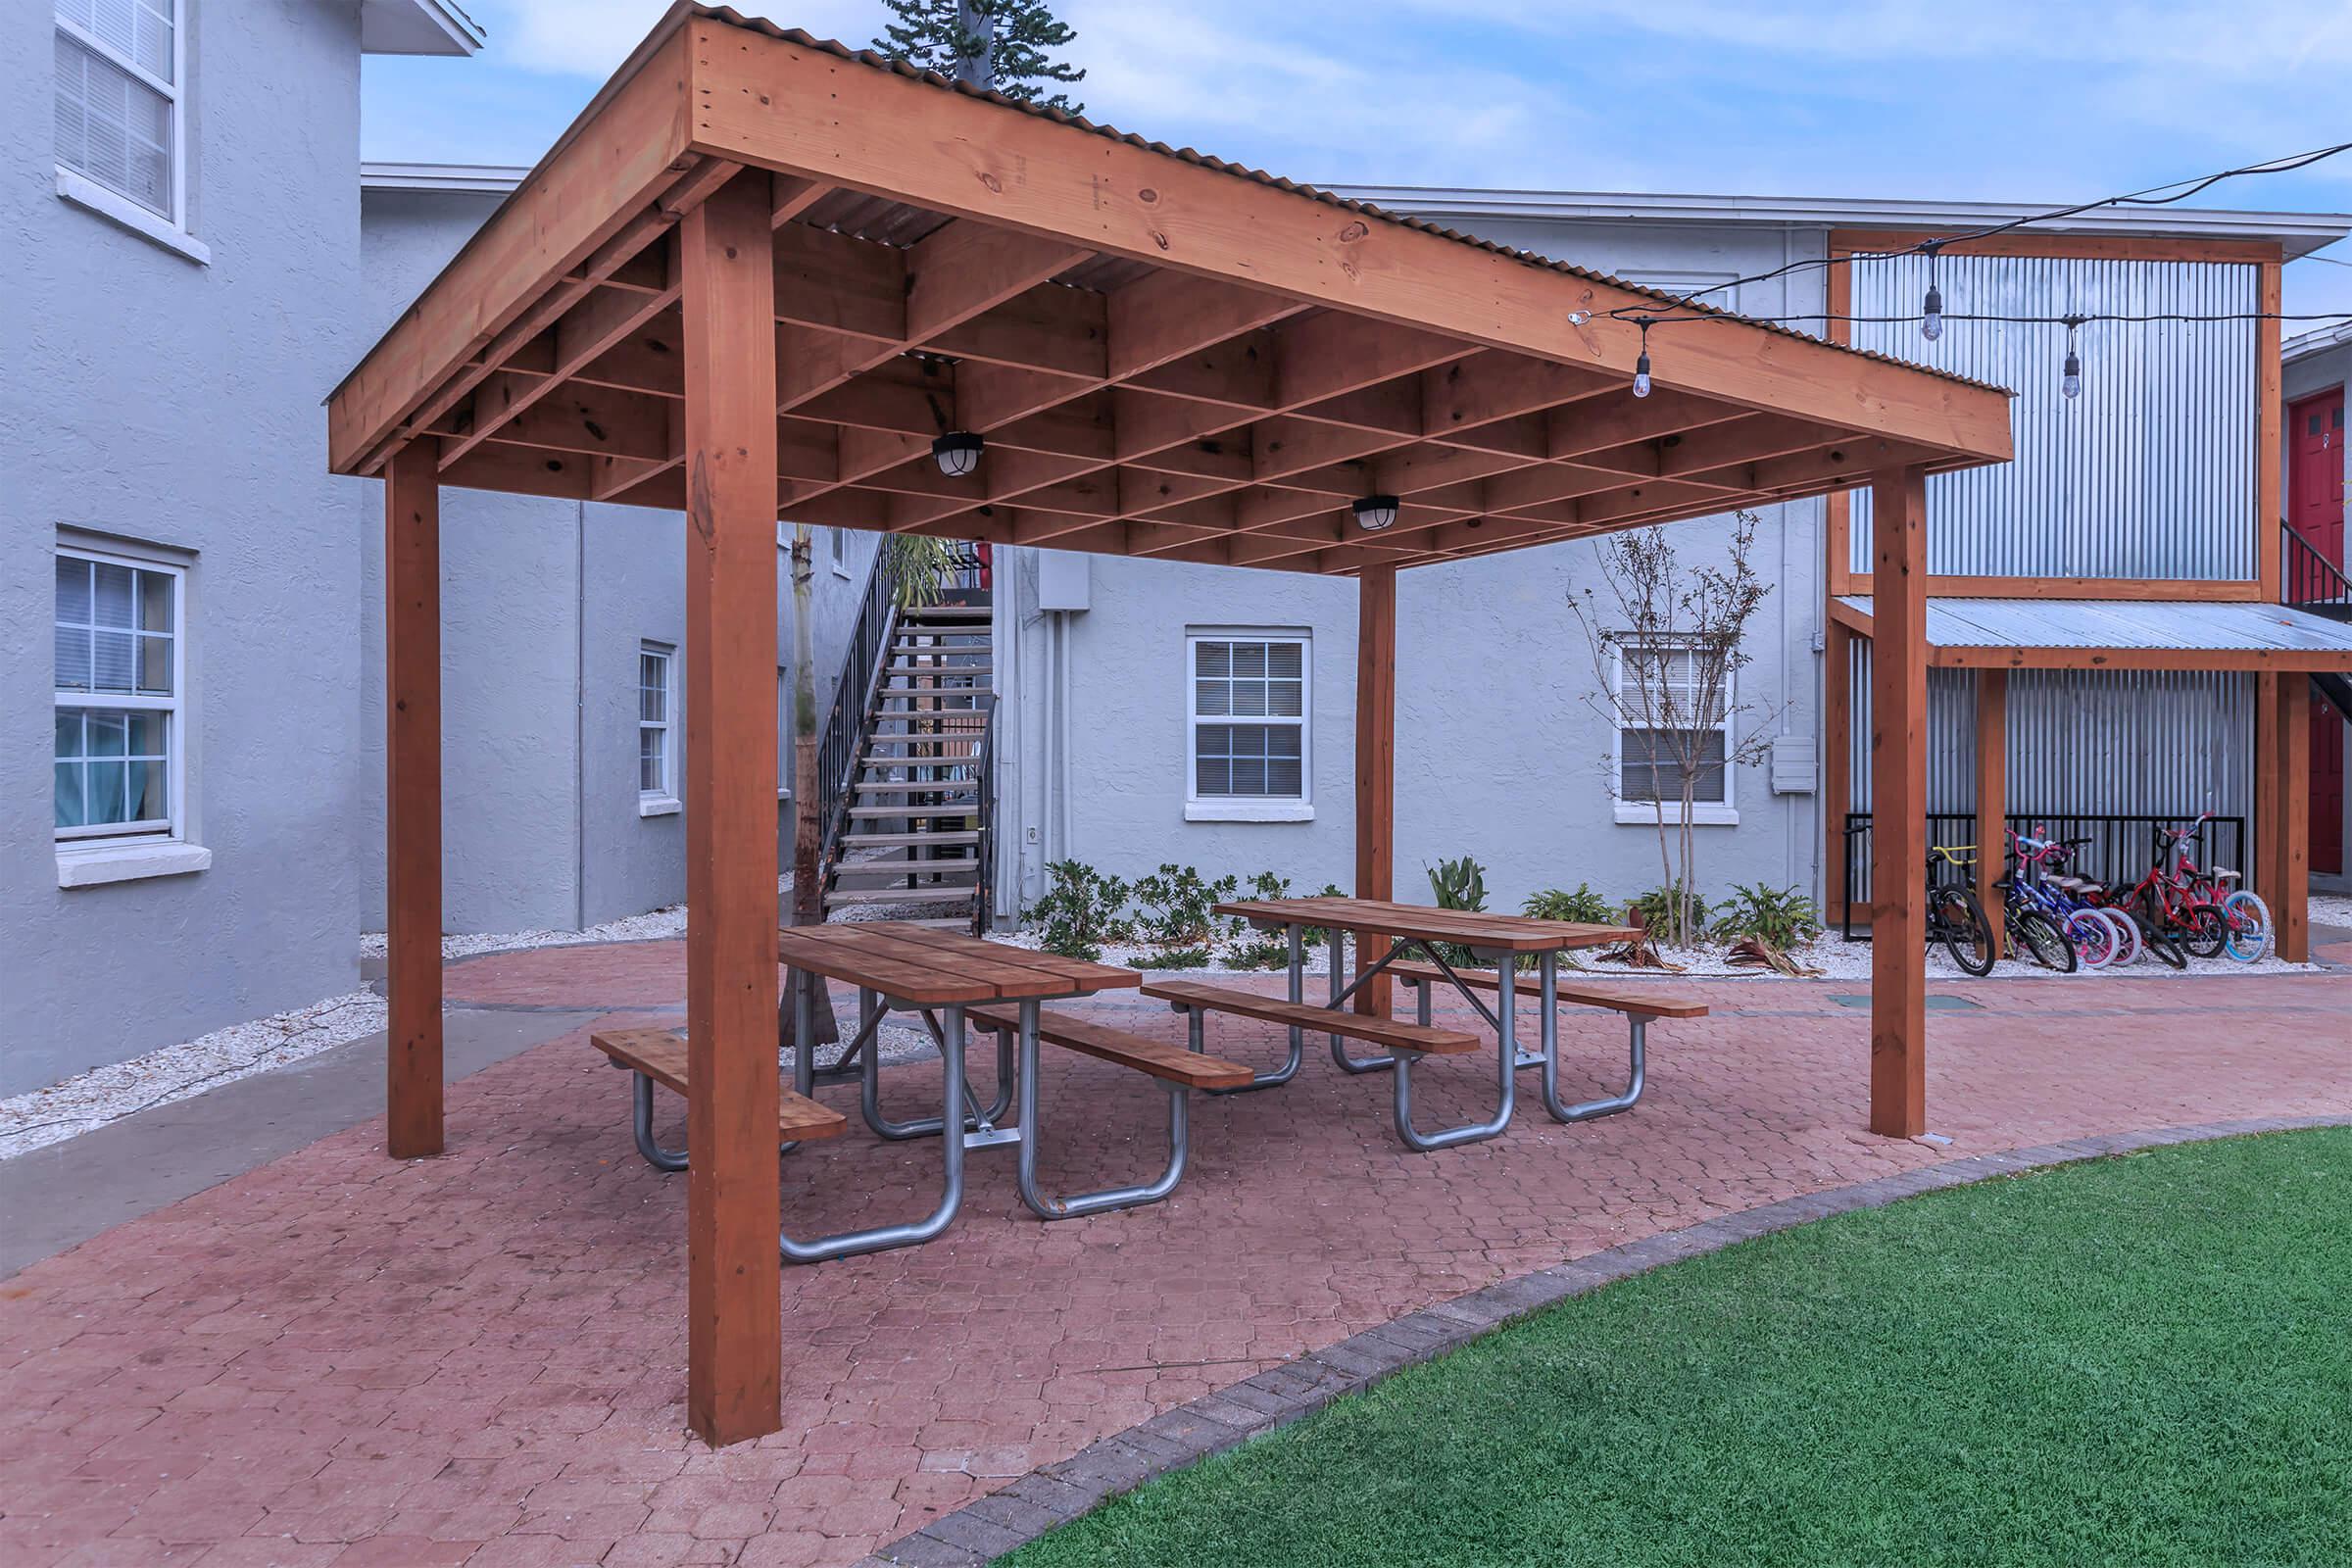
2315,510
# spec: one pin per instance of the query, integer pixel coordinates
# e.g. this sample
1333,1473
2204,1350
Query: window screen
1249,717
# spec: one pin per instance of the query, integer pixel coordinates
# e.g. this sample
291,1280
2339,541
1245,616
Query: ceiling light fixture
959,453
1375,512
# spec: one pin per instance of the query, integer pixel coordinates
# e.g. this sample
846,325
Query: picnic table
1501,940
945,976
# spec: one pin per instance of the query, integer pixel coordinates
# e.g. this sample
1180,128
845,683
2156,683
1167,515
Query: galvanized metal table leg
1297,1051
880,1238
1638,1025
1506,1060
1339,992
1110,1197
869,1088
641,1122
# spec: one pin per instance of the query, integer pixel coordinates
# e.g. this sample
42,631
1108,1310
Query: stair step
894,841
931,613
868,814
960,892
907,785
937,671
961,923
899,870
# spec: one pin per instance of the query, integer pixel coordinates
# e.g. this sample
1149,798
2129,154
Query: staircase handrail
985,819
2309,577
862,663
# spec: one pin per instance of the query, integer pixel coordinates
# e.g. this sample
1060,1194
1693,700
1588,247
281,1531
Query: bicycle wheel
2127,935
1959,923
2094,939
2037,935
2250,933
2159,944
2204,929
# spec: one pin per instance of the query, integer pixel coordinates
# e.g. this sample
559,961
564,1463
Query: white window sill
83,192
1642,813
1249,810
127,862
657,806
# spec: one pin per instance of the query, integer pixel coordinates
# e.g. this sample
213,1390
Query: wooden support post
1375,764
1898,787
2290,904
1837,761
1993,791
734,1328
413,800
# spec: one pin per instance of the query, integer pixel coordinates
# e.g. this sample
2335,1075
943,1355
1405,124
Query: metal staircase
908,757
2308,580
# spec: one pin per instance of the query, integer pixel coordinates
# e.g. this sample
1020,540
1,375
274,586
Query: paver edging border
1054,1495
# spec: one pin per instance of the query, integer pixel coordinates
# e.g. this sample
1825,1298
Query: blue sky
1997,100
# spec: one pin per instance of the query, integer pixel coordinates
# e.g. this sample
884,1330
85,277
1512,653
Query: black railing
2120,850
2309,580
844,733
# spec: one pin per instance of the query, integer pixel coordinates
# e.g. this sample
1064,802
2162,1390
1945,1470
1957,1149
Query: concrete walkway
335,1359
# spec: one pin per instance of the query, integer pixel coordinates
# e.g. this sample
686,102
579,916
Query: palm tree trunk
807,885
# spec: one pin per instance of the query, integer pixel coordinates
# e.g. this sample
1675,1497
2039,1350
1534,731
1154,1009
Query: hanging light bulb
2069,380
958,453
1642,364
1930,319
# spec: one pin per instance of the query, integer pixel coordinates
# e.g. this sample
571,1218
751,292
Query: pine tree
931,34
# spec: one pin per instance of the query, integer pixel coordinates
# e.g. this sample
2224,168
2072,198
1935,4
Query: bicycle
2085,897
1954,916
2060,930
2247,934
2175,903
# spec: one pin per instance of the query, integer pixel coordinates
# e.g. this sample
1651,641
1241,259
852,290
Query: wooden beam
1898,805
2301,661
1837,760
597,180
1993,791
412,800
782,105
2283,809
1374,766
734,1323
2270,450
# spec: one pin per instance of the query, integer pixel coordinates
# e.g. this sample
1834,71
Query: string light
1933,316
1931,320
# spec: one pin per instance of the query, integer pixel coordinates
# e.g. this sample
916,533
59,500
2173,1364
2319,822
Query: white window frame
169,230
839,552
117,851
663,800
1646,814
1250,807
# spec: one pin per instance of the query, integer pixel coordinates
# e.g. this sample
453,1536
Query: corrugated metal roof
685,9
2201,628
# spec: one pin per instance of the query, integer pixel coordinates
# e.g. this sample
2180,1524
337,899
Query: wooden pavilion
760,276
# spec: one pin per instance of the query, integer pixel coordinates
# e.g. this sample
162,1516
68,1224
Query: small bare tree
807,835
1665,647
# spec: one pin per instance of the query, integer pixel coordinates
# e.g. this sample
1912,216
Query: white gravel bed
92,1099
2330,909
652,926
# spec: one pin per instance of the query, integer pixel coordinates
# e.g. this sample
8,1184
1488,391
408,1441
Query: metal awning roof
2122,634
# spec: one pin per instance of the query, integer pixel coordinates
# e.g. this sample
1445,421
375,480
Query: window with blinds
119,697
118,98
1249,717
1662,727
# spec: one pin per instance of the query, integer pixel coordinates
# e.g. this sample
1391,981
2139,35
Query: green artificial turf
2145,1359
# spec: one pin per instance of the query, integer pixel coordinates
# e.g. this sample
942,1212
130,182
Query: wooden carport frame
761,274
2281,744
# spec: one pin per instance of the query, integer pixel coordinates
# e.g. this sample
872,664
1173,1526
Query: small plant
1171,958
1781,918
1314,936
1673,916
1583,907
1175,905
1081,910
1458,884
1249,947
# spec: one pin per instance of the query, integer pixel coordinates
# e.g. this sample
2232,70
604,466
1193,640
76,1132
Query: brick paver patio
479,1360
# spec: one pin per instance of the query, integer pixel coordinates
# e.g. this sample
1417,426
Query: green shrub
1658,916
1458,884
1314,936
1583,907
1784,917
1174,906
1171,958
1081,910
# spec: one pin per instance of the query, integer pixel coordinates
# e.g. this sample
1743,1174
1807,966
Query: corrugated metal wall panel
2091,743
2150,473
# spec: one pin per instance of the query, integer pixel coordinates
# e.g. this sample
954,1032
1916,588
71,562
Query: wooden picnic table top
1511,933
927,967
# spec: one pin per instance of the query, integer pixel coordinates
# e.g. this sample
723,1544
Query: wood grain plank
413,1093
1898,838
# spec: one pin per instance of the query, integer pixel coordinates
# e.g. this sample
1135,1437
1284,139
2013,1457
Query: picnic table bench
660,1056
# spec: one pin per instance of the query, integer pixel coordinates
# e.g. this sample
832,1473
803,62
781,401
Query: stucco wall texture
157,400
